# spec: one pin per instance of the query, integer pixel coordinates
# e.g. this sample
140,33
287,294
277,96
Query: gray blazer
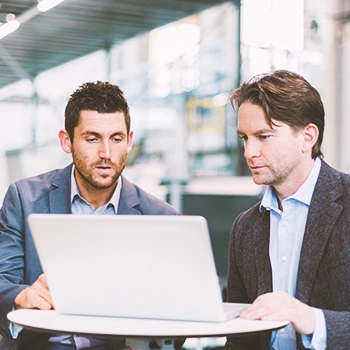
19,263
324,269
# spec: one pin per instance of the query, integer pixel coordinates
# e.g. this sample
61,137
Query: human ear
65,141
310,136
130,137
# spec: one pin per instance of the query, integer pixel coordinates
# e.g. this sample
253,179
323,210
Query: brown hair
102,97
287,97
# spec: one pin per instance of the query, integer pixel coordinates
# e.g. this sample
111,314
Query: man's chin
105,183
259,180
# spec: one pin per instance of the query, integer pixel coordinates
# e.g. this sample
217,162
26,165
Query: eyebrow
94,133
258,132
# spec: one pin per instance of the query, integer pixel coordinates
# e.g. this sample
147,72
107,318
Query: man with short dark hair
97,134
289,254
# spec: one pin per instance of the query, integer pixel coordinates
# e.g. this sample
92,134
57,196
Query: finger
33,300
276,316
270,305
35,296
29,299
254,312
42,289
42,279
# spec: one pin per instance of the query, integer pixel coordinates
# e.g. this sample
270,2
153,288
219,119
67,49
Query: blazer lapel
262,258
59,196
128,199
323,214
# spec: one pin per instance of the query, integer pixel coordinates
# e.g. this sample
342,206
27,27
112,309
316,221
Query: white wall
320,65
344,95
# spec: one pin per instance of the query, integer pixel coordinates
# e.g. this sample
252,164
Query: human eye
242,137
91,139
264,137
117,138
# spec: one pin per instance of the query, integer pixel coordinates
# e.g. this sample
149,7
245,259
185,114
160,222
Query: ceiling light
10,17
8,28
46,5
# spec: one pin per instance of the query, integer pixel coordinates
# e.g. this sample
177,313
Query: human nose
105,150
251,149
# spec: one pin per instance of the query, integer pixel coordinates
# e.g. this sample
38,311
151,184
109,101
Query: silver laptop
130,266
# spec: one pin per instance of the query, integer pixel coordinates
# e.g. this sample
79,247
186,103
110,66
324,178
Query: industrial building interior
177,62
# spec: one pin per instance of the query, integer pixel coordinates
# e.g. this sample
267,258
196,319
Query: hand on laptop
280,306
37,296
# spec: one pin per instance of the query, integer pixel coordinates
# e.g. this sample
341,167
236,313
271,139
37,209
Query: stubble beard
86,174
272,178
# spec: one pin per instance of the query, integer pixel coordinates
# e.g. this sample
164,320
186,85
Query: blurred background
177,62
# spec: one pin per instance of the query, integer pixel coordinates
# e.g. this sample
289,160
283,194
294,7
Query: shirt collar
304,193
114,200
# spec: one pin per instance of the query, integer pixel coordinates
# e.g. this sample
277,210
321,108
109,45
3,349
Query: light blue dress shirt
287,228
81,206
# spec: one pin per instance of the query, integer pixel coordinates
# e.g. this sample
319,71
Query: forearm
8,293
11,255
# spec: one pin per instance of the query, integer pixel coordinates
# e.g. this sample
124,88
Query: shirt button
284,258
282,330
285,223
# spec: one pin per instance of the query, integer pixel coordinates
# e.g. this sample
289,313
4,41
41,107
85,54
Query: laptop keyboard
232,310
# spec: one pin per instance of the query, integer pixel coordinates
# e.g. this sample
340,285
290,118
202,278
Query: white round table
52,321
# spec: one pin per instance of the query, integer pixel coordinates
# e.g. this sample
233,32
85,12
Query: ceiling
75,28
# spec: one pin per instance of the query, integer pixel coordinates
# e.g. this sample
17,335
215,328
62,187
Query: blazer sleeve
338,329
11,256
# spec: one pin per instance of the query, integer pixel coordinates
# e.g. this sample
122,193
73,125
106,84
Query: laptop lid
129,266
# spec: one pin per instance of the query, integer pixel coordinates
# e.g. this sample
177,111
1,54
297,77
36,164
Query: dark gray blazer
324,269
19,263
